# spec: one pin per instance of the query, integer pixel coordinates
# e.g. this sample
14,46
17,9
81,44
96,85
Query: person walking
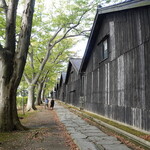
52,104
46,102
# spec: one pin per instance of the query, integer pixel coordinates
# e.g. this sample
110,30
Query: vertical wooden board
111,82
148,120
105,111
89,84
103,108
147,75
112,88
122,114
126,34
128,45
129,29
96,56
96,107
125,80
128,116
115,81
134,77
110,111
116,112
145,118
128,80
101,84
95,85
130,77
117,38
112,78
133,26
136,29
141,74
145,23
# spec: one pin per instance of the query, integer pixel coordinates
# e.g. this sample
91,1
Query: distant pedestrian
52,104
46,102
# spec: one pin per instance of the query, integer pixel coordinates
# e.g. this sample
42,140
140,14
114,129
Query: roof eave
123,6
89,42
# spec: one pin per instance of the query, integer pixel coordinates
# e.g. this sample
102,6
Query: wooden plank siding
119,87
62,87
72,82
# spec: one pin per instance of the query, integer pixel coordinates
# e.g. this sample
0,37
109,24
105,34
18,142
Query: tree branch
26,78
11,26
31,59
38,59
4,6
24,38
54,36
80,34
57,57
71,28
26,25
51,44
44,79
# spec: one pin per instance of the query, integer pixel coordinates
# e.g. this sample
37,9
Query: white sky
80,48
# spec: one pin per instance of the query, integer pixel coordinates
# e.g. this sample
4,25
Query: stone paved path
86,136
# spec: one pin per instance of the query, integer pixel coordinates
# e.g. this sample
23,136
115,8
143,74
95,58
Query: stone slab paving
86,136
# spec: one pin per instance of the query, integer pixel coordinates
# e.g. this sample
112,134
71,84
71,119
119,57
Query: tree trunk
43,91
38,98
8,111
12,62
6,122
31,98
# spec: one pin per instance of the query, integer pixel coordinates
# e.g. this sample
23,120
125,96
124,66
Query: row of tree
45,49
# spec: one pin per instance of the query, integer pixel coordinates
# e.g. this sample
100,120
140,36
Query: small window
105,49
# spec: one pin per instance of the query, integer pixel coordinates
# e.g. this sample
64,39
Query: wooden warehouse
116,65
73,81
62,87
56,91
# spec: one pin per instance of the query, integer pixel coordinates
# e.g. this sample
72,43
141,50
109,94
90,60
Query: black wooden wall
73,87
119,87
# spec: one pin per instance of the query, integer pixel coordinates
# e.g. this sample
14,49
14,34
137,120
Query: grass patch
27,114
9,136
